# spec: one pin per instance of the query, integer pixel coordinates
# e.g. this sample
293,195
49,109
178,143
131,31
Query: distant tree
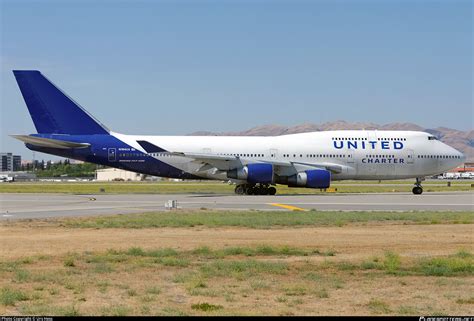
70,170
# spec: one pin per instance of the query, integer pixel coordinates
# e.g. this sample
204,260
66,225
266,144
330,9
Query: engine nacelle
317,178
253,173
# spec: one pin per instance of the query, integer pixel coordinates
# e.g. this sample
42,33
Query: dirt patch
349,241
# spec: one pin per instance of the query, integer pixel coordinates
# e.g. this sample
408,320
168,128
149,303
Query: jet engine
318,178
253,173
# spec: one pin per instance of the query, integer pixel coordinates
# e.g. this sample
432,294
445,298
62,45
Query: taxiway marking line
288,207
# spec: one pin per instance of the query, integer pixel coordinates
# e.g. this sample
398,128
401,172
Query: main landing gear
252,189
418,189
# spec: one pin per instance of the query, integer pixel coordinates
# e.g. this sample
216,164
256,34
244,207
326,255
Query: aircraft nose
459,157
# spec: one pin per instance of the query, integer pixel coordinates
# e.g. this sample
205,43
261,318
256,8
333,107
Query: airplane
255,164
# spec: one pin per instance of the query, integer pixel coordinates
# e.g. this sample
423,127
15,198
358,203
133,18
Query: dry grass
372,269
352,241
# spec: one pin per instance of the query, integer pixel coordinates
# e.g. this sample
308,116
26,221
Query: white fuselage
356,154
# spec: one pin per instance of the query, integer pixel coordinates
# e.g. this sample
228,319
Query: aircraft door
274,153
410,156
368,168
112,153
352,167
350,157
442,163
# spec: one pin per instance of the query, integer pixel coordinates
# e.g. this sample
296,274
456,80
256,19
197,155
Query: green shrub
136,251
22,275
206,307
378,307
446,266
10,297
392,262
69,262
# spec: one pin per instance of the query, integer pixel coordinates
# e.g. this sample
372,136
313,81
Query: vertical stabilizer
52,111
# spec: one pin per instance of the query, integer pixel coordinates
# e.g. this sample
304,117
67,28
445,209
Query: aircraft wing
204,156
228,162
211,157
209,161
48,142
334,168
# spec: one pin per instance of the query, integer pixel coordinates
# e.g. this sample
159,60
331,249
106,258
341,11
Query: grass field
231,281
221,188
240,263
262,219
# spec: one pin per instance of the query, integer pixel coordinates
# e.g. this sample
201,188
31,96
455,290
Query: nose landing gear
418,189
252,189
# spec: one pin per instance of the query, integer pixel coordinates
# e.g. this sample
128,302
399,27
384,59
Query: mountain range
461,140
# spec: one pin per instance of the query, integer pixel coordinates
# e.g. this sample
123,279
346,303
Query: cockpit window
432,138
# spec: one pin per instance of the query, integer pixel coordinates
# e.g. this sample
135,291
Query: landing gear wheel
272,190
417,190
263,190
247,189
257,191
239,190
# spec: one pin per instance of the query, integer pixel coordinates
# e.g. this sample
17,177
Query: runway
28,206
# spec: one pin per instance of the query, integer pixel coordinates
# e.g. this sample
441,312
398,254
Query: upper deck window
432,138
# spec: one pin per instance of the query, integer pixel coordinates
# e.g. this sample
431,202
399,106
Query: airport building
9,162
114,174
464,171
466,167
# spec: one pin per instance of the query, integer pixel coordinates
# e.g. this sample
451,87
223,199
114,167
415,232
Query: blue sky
175,67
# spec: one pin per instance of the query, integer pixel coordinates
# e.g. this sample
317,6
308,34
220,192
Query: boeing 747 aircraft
254,164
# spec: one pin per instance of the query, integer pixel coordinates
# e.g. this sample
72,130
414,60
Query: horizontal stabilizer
48,142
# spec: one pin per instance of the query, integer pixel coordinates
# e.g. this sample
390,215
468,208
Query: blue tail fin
52,111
